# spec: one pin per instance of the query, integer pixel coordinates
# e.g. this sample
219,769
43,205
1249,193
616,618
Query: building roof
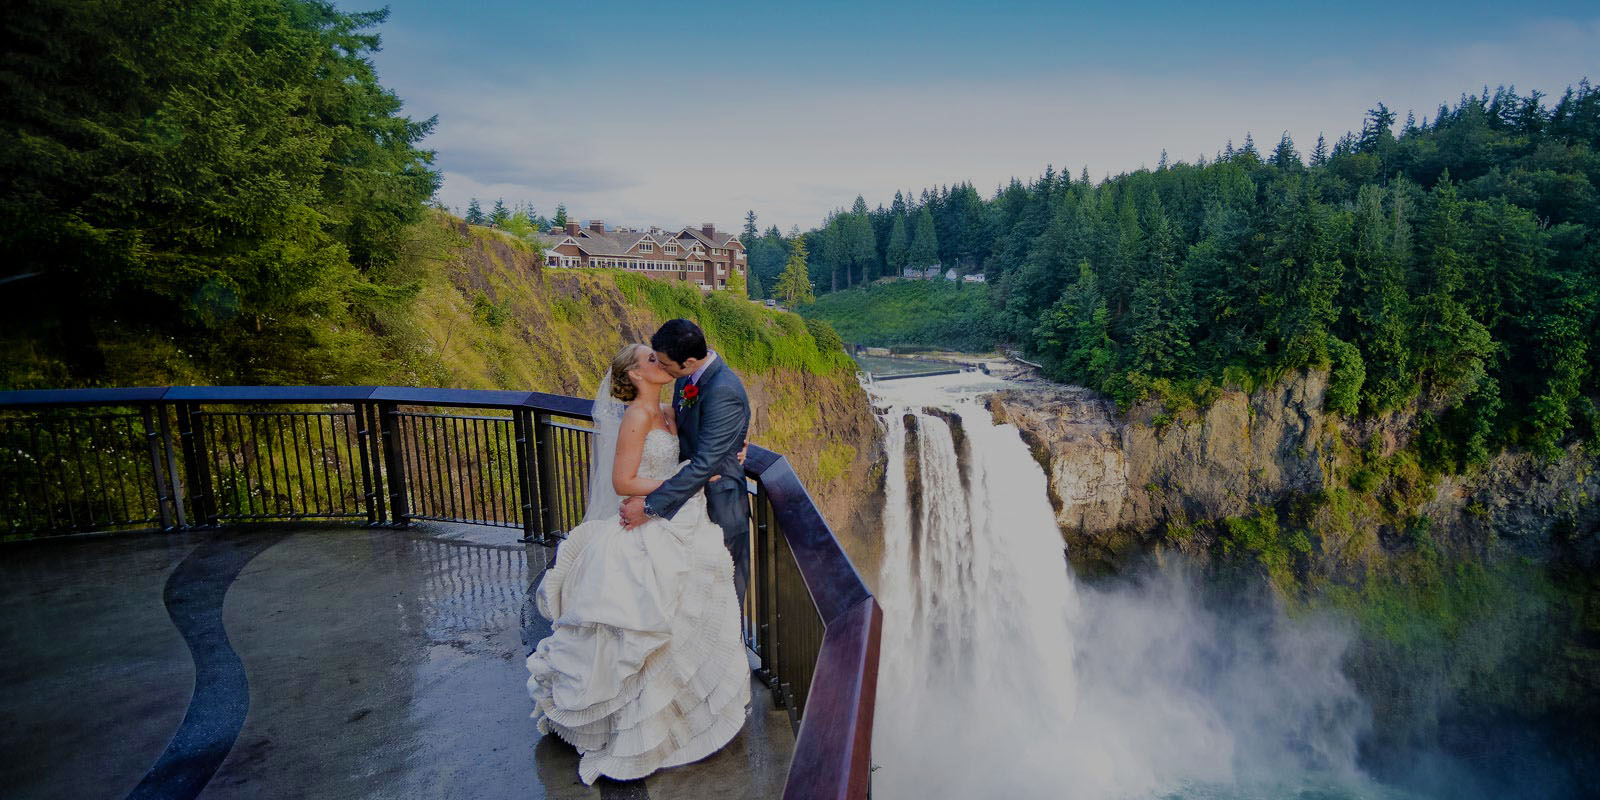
610,243
720,240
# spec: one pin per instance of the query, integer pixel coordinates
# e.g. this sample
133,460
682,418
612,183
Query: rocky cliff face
1123,484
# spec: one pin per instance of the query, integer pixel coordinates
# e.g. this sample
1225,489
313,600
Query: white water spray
1001,678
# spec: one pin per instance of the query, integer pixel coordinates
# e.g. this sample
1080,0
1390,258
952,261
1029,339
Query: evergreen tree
748,237
1285,157
1074,335
1162,316
1319,156
860,244
475,213
560,220
899,247
501,215
1378,304
225,179
1452,348
794,285
924,250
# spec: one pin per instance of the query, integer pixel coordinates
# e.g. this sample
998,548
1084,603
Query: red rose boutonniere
690,393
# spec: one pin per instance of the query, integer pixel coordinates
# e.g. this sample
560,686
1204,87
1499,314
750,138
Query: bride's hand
742,452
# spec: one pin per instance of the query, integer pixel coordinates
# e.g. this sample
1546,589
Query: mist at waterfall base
1001,677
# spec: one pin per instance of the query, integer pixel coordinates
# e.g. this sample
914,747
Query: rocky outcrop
1123,483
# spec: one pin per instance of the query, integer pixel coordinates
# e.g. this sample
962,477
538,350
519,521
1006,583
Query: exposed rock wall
1123,482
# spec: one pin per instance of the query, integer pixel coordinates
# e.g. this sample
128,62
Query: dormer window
646,247
670,249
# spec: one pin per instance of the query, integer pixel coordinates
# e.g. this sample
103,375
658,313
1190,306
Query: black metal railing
76,461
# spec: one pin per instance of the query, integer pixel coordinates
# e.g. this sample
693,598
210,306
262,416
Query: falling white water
1001,678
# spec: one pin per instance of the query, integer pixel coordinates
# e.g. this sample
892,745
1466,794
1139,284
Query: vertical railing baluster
300,465
506,494
548,503
195,468
157,468
369,483
457,477
169,450
475,439
322,456
339,461
39,459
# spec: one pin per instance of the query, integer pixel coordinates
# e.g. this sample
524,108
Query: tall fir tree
861,245
751,233
899,246
475,213
794,285
1162,317
924,250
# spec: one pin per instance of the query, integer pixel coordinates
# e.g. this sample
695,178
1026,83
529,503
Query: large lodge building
703,255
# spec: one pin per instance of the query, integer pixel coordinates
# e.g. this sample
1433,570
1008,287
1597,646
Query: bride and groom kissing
645,666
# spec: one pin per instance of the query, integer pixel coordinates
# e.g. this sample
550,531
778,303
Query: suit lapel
689,418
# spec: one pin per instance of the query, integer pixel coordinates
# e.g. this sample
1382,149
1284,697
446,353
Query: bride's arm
625,478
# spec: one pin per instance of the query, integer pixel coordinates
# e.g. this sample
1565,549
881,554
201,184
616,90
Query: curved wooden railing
185,457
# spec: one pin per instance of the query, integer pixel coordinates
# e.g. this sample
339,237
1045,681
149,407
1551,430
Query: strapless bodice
660,458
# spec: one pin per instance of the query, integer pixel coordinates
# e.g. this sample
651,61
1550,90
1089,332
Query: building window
646,247
669,248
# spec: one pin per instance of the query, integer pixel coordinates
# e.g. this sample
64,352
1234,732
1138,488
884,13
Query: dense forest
222,183
1452,262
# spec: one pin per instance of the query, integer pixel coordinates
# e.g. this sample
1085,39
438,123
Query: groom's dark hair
680,339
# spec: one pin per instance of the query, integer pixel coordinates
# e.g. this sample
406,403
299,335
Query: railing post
393,466
522,424
549,506
158,467
772,647
196,465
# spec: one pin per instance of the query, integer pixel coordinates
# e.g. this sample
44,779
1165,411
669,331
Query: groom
713,419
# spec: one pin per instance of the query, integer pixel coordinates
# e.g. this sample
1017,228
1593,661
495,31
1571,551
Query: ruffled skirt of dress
645,666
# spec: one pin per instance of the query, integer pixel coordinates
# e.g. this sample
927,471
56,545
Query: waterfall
1002,678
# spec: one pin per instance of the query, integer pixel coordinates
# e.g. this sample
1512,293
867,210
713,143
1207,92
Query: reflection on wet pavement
380,663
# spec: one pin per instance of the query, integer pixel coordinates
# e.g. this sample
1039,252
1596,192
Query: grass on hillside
901,313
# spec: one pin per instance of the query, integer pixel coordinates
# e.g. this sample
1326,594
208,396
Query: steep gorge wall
1124,484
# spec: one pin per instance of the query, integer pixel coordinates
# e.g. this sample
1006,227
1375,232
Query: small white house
950,275
978,278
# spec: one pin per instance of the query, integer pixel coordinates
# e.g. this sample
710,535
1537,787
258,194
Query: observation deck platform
301,661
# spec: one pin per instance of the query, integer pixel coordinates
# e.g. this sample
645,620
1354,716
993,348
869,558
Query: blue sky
680,113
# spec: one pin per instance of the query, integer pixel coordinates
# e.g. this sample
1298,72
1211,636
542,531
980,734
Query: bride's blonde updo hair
622,386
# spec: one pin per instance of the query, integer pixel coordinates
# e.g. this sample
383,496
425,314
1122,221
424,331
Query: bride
645,665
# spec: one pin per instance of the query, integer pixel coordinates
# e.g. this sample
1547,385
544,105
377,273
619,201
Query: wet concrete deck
300,662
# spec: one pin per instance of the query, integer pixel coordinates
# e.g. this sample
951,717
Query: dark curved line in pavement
221,696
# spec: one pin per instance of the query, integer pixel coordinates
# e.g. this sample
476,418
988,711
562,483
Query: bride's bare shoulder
669,418
635,415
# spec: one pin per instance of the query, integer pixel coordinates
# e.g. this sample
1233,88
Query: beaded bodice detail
660,458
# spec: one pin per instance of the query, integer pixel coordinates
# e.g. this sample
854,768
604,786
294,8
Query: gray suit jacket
711,431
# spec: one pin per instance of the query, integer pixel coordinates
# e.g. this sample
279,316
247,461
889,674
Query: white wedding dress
645,666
